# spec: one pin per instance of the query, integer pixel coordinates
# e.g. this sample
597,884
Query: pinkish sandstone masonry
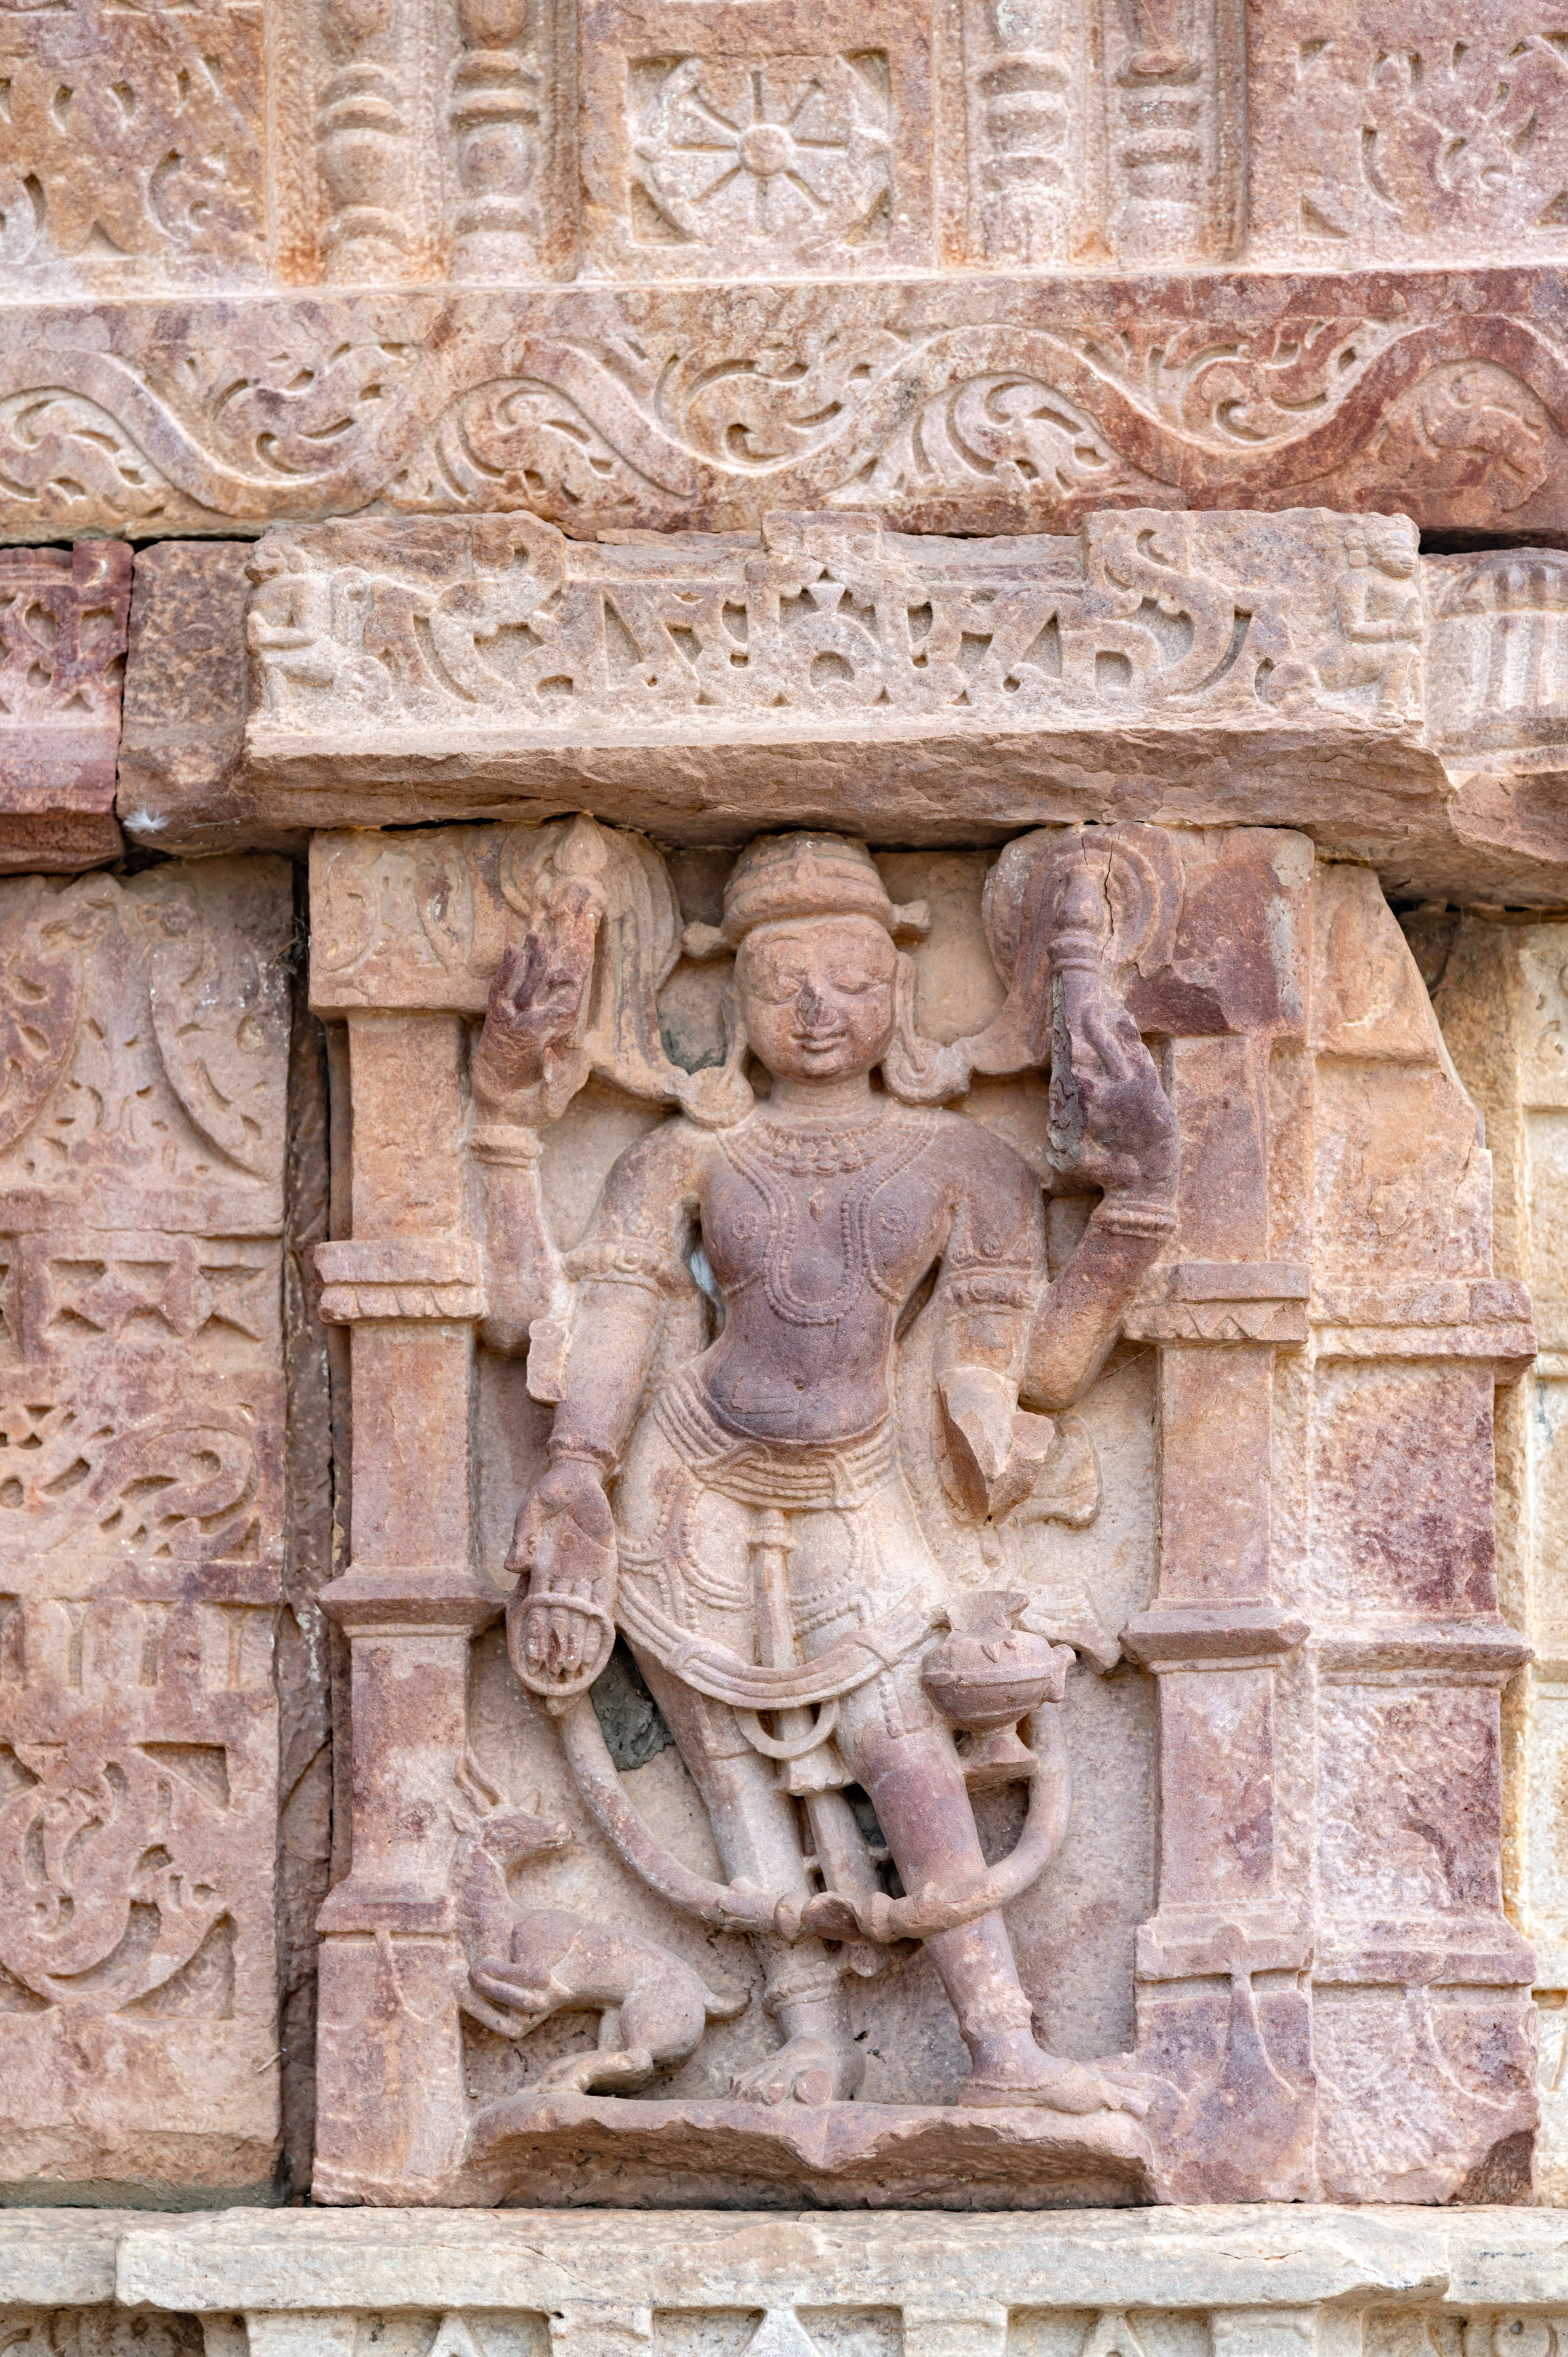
781,994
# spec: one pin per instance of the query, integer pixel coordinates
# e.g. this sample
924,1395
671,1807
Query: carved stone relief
1398,133
141,1430
731,1702
130,146
251,142
1007,404
829,617
62,649
1304,668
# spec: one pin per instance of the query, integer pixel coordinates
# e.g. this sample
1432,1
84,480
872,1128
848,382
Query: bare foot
805,2070
1058,2087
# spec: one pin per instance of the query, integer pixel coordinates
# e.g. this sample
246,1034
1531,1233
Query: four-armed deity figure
742,1512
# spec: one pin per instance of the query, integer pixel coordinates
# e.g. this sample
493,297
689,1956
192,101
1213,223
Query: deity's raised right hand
561,1625
537,995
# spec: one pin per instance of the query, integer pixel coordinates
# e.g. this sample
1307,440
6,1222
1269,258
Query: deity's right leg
758,1834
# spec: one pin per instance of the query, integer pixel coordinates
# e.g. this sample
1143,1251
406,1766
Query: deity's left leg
905,1758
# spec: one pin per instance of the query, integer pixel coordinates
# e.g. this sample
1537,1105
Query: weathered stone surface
275,142
141,1493
447,2284
1263,2260
131,149
1400,131
62,649
1295,670
1003,424
1300,669
183,721
966,404
1290,1521
1500,994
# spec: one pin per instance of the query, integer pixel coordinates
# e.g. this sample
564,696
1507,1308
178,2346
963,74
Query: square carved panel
753,142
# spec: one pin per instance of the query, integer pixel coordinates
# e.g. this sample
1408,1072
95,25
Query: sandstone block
1223,669
964,402
184,702
447,2284
141,1495
62,640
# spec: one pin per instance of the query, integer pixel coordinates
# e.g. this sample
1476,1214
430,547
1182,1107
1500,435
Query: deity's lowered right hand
561,1625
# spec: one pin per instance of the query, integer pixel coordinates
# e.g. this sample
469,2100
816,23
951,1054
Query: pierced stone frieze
1304,669
504,653
141,1424
1310,1331
1307,622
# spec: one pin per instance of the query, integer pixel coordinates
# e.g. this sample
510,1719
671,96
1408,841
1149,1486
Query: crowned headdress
780,878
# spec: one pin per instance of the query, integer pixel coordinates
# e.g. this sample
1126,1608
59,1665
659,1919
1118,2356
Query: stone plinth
437,2284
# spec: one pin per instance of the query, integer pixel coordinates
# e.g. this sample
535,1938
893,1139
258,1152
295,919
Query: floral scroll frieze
675,408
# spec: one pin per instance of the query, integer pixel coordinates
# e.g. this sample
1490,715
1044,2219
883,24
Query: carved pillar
511,116
370,141
1174,80
1024,77
1216,1637
1421,1984
495,120
391,2107
1498,991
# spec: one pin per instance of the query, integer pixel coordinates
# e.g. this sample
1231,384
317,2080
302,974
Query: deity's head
1387,542
817,967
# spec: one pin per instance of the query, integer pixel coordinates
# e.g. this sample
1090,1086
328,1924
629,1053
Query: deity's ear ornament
716,1096
915,1069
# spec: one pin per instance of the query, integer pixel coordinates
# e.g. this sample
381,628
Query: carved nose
812,1008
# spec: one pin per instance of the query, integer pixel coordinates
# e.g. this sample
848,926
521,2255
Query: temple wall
783,1179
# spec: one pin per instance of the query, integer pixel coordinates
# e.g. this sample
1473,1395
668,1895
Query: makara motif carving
1253,620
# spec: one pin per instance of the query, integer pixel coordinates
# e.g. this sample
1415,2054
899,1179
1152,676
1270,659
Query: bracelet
580,1452
1127,1216
505,1143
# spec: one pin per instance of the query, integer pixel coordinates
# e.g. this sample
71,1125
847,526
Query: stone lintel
819,669
1244,2256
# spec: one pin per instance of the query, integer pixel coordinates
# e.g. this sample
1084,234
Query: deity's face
817,996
